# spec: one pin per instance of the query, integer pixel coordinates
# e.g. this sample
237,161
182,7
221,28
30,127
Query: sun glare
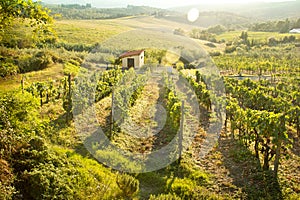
193,15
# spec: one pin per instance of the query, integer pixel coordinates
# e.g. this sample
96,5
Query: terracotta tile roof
131,53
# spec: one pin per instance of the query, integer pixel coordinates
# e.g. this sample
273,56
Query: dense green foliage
24,9
267,61
258,124
200,89
203,35
127,92
129,185
106,82
33,169
76,11
42,157
28,16
276,26
173,104
15,61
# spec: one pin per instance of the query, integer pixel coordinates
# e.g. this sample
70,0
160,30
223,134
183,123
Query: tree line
282,26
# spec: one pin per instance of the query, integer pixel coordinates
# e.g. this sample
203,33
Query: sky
154,3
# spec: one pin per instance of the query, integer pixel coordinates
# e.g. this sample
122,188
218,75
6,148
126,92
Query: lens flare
193,15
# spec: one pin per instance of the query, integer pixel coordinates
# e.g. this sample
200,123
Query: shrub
200,177
215,53
50,182
179,31
128,184
182,187
230,49
187,189
152,179
218,29
116,159
212,45
6,179
67,175
40,60
17,108
71,68
8,69
179,66
272,41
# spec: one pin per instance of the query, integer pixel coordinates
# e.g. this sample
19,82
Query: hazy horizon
155,3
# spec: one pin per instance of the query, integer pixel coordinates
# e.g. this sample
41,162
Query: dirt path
140,131
103,111
147,116
220,165
146,129
235,171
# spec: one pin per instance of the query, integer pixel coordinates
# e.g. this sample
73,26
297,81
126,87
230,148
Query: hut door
130,62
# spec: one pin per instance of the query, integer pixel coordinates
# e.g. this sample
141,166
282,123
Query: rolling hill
212,18
255,11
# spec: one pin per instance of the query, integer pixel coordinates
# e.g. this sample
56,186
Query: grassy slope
219,47
53,72
92,31
152,22
207,19
87,31
69,31
260,36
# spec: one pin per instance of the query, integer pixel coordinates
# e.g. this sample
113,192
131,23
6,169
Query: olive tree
25,12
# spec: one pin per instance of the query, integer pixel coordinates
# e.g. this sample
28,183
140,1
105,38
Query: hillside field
199,120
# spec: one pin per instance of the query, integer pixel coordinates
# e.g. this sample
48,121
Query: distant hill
254,11
233,16
271,11
117,3
212,18
86,11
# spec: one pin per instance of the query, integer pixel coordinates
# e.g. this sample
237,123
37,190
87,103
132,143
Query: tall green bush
129,185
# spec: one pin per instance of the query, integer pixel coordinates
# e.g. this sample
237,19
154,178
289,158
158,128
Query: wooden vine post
112,114
180,139
280,132
22,84
69,104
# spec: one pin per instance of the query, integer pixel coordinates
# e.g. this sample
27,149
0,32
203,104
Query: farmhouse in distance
295,30
133,59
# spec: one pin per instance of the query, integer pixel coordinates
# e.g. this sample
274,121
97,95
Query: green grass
54,72
87,31
144,32
260,36
203,44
